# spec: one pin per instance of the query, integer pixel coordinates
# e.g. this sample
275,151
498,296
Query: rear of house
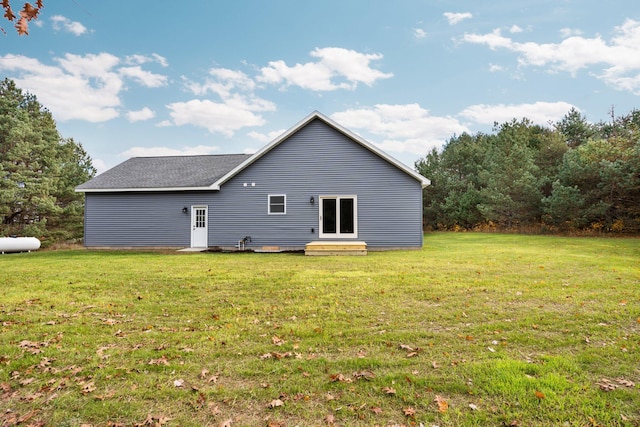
318,181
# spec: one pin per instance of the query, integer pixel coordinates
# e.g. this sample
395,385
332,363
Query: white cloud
515,29
236,108
224,83
539,112
143,77
224,118
59,23
618,59
100,165
419,33
494,68
140,115
79,87
455,18
402,128
569,32
168,151
84,88
143,59
336,68
265,137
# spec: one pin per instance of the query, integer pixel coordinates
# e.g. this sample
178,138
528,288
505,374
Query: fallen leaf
442,404
226,423
275,403
277,340
88,387
540,395
364,375
389,390
339,378
178,383
105,396
473,407
409,412
376,410
625,383
154,421
330,419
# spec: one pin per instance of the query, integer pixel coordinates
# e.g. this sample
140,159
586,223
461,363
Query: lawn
472,330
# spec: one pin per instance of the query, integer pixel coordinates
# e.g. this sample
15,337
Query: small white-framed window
277,204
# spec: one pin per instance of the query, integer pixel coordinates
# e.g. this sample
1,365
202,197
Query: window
338,216
277,204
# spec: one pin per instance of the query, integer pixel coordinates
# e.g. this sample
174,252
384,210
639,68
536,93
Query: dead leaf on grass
409,412
154,421
376,410
161,361
330,419
203,373
389,390
277,340
339,378
108,395
443,405
275,403
88,387
364,375
625,383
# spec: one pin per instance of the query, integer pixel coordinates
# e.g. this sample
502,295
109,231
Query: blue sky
128,78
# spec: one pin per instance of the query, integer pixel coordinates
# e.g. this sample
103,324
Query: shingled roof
165,173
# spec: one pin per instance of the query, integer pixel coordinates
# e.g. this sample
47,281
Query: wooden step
335,248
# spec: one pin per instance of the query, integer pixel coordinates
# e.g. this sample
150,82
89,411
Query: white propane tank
19,244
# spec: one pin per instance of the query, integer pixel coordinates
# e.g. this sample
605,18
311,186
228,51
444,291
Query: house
316,182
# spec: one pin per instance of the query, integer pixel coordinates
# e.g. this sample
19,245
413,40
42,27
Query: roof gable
319,116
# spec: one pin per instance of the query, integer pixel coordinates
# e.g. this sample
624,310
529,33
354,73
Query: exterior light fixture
312,200
185,210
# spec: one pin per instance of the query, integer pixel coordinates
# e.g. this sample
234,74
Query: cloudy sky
128,78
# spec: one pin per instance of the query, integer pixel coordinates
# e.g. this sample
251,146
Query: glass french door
338,217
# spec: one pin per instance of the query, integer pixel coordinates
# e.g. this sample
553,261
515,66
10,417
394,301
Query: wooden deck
335,248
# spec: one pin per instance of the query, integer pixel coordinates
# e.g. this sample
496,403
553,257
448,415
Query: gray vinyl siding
317,161
140,219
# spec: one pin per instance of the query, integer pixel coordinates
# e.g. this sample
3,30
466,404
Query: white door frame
338,234
199,226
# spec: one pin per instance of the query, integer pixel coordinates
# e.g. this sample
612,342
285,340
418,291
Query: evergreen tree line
39,170
572,176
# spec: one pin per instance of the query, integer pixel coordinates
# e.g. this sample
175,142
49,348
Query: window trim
270,204
337,234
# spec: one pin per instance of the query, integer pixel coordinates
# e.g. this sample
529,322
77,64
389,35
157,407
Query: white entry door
199,226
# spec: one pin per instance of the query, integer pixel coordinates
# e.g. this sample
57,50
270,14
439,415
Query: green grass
506,329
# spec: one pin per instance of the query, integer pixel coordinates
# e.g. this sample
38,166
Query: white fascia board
138,190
